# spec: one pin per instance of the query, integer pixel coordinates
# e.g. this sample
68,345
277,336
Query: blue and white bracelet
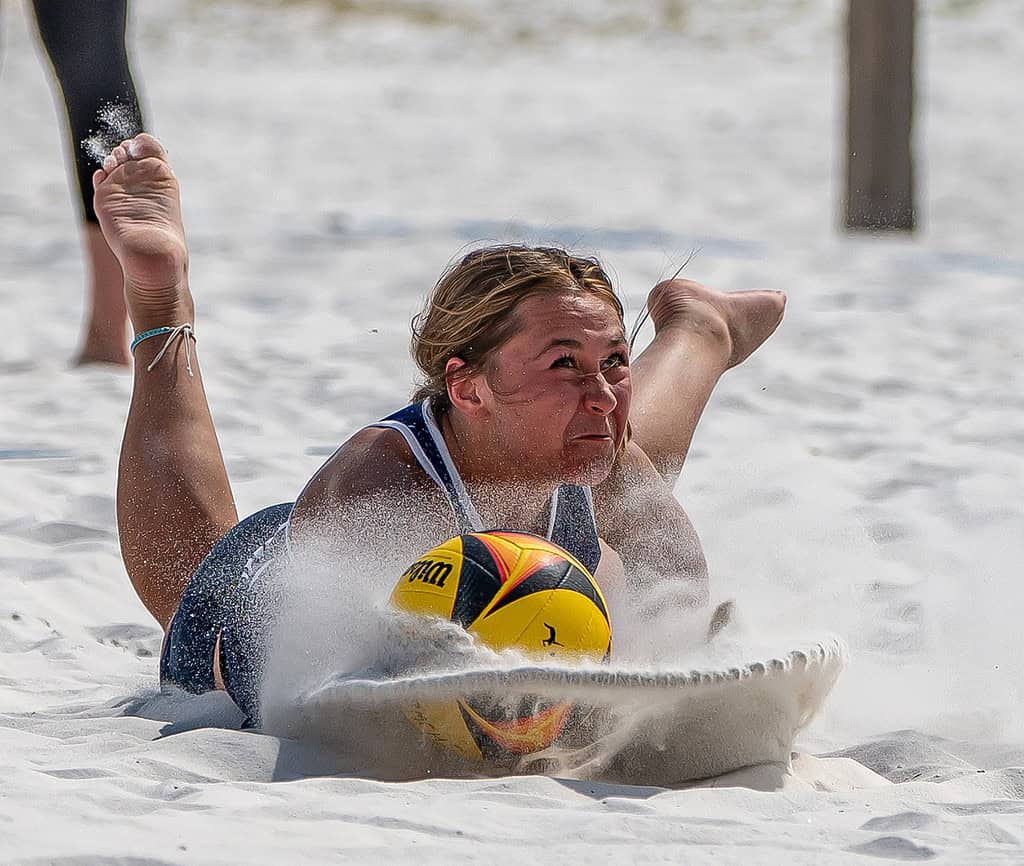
186,330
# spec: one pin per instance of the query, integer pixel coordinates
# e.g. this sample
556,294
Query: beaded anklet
185,330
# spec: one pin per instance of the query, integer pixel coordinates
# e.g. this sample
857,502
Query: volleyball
511,590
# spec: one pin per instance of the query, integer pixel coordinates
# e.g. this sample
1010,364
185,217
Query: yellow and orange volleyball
511,590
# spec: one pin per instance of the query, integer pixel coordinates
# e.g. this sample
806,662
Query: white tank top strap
420,430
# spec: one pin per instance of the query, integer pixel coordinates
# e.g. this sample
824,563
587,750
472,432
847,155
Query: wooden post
879,161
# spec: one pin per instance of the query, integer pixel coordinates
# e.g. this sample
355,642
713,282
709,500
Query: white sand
862,474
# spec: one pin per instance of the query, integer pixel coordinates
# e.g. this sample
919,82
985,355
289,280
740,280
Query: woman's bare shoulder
371,460
373,471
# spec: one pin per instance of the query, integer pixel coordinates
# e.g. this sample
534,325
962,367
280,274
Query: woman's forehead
540,316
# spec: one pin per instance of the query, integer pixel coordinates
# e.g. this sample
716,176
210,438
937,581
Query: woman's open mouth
593,437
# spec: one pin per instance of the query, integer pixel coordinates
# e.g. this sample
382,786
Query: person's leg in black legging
85,40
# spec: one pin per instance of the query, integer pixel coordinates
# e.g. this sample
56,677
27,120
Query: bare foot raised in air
732,324
138,207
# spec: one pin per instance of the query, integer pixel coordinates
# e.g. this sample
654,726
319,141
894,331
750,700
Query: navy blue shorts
227,598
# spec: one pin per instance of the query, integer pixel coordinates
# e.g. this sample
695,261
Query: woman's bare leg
104,340
698,335
173,497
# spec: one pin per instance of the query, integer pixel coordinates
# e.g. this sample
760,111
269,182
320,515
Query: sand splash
115,122
332,619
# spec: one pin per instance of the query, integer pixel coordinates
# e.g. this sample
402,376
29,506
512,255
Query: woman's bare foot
734,323
137,203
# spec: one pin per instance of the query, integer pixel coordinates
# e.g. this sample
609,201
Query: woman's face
557,393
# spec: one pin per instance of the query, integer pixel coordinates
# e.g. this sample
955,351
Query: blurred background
861,474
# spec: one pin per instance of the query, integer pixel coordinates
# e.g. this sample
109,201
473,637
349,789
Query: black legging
85,42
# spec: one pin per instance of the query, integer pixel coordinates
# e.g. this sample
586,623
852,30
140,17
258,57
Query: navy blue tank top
571,521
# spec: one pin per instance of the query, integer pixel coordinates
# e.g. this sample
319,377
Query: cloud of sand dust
333,618
115,122
934,638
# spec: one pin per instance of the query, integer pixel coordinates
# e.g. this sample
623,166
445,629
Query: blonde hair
471,310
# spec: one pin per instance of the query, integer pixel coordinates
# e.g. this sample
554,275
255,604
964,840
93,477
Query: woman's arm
640,518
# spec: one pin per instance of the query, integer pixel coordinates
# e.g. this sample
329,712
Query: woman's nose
599,396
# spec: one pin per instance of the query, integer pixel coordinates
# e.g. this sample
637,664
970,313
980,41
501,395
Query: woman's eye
616,360
565,361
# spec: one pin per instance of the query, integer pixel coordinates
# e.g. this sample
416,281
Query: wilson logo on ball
428,571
